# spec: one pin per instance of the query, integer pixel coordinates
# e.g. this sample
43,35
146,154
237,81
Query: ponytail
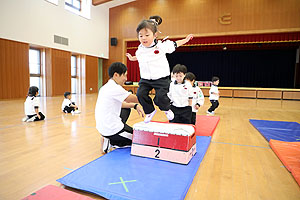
157,19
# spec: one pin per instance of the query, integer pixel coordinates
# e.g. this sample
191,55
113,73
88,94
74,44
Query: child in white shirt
214,95
154,67
181,96
198,97
31,106
68,106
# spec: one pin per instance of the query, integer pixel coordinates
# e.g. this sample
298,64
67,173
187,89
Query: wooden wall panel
205,91
106,63
14,69
200,18
91,68
226,93
48,71
58,72
244,93
269,94
61,71
291,95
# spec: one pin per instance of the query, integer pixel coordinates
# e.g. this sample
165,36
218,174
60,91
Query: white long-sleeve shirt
180,93
152,60
198,98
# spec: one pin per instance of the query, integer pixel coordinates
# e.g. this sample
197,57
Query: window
75,4
74,74
79,7
35,68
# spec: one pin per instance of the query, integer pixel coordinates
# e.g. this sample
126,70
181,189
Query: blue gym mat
278,130
119,175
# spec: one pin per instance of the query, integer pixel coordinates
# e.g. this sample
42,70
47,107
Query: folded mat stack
284,140
289,154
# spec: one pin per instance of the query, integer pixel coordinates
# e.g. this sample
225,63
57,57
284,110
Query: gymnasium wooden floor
238,164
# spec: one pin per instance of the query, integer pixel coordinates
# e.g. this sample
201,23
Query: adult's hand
140,110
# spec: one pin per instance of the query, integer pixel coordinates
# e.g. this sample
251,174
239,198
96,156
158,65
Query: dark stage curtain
133,68
244,68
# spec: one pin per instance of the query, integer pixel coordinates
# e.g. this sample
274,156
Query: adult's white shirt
152,60
108,108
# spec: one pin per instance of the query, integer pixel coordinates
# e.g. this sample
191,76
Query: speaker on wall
113,41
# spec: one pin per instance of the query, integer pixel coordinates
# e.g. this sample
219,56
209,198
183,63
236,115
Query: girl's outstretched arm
185,40
130,57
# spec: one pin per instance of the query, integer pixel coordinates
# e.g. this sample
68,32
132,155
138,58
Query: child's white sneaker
31,119
25,119
119,147
169,114
149,117
210,113
77,112
106,146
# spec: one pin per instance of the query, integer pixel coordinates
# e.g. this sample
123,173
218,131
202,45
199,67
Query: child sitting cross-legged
68,106
32,105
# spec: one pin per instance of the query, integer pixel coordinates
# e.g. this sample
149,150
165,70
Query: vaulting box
165,135
176,156
164,141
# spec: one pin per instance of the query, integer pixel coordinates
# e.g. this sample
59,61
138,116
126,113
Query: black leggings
182,115
214,105
193,120
161,98
120,139
36,117
68,109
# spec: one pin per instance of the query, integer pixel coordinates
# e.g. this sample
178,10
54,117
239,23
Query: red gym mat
296,174
206,125
51,192
289,154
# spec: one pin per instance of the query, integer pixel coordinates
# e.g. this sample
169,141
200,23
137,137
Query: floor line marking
123,183
68,168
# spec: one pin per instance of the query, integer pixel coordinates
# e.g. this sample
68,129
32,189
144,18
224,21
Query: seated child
68,106
31,106
198,97
180,96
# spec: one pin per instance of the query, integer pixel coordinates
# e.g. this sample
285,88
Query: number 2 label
158,152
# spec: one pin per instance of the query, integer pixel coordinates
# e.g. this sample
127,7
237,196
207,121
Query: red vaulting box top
164,135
